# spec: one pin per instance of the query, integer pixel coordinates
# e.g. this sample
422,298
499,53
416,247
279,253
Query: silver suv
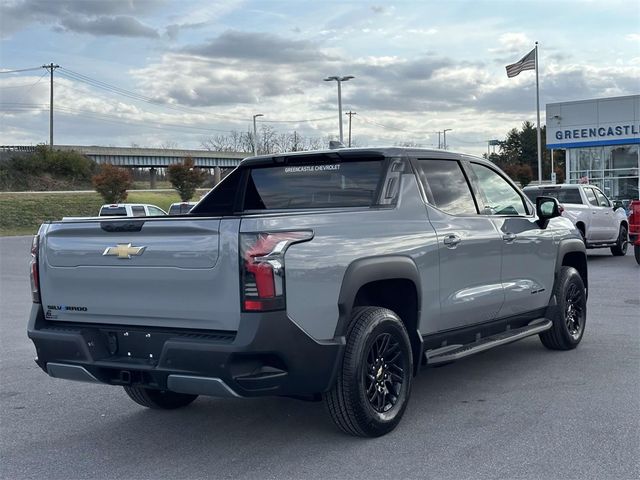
333,274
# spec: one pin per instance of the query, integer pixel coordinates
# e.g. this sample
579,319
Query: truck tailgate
178,273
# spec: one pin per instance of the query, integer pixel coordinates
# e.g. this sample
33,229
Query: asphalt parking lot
517,412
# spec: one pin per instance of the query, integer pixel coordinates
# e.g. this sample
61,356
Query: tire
571,313
583,236
620,248
159,399
371,393
636,252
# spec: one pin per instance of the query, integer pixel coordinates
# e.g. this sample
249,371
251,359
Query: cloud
118,26
174,29
113,17
263,47
511,47
633,37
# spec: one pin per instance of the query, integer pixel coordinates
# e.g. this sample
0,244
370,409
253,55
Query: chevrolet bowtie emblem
123,250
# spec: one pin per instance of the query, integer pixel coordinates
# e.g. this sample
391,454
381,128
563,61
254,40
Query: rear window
318,185
113,212
564,195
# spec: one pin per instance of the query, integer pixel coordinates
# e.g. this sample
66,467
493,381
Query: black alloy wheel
574,311
384,375
620,248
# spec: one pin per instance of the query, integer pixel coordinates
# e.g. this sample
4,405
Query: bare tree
269,141
169,145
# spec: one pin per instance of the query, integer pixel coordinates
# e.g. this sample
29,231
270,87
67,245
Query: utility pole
439,132
51,67
351,114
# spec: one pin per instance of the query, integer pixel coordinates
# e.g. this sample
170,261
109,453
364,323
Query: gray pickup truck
333,274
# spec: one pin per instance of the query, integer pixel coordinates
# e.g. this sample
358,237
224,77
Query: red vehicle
634,228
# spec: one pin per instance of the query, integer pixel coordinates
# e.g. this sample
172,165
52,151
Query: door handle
509,237
451,241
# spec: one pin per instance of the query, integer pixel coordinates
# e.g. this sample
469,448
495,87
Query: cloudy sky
169,72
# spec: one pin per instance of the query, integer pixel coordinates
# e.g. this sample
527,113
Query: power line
30,85
72,75
298,121
413,132
20,70
9,106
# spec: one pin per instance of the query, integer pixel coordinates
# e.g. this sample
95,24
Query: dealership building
601,138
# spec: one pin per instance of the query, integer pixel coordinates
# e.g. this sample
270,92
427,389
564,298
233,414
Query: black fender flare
565,246
372,269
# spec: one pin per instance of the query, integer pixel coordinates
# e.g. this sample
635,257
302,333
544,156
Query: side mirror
546,209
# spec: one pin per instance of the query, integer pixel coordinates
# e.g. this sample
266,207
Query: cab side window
446,186
501,197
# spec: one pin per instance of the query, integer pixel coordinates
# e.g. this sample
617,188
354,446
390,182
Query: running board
450,353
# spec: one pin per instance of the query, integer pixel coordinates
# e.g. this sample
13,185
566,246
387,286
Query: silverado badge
123,250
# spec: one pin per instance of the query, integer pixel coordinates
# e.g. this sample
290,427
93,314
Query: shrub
185,178
112,183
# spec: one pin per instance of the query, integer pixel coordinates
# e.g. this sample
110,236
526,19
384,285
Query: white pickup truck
131,210
591,212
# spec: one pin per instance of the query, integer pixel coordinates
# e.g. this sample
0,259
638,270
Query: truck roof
353,153
558,186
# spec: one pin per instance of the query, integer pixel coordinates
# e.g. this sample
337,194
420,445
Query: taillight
262,268
34,273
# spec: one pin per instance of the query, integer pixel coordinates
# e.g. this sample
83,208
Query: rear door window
446,186
319,185
138,211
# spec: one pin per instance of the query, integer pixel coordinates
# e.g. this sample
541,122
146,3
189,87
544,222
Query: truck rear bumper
268,355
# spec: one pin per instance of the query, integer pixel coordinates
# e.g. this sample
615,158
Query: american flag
528,62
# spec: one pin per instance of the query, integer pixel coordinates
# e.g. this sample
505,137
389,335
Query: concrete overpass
151,158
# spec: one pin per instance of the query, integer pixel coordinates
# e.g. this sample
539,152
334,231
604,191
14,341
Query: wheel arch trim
567,246
373,269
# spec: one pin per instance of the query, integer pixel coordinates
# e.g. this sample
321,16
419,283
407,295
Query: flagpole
538,108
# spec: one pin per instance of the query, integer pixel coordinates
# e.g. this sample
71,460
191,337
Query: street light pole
444,135
339,80
255,133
